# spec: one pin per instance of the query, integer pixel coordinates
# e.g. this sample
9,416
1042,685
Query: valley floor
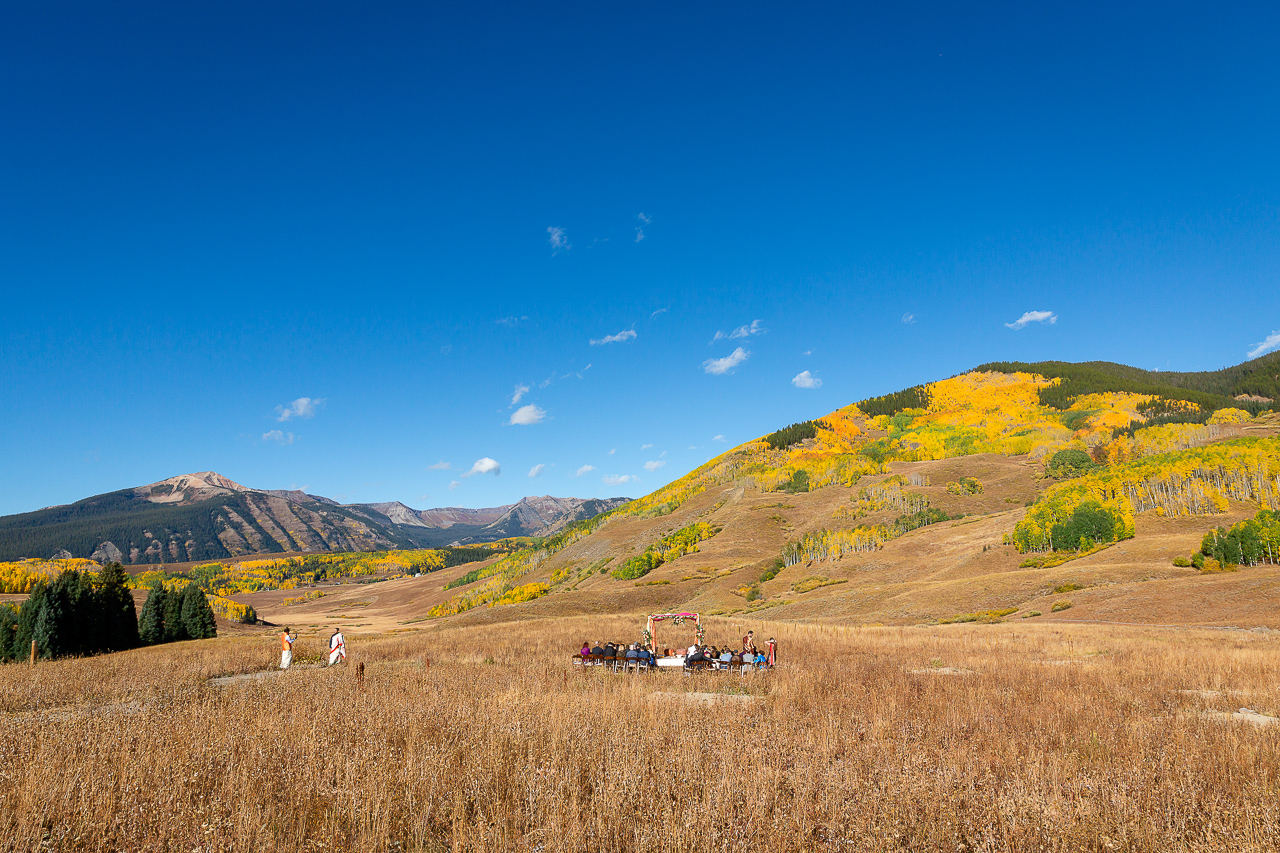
1009,737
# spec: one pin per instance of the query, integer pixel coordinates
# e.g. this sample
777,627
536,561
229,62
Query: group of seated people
611,653
748,656
644,656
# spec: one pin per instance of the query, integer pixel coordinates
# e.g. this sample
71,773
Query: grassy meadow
977,737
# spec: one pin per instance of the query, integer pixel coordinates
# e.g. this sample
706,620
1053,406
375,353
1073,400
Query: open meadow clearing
967,737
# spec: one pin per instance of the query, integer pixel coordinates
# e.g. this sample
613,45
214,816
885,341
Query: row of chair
618,664
624,665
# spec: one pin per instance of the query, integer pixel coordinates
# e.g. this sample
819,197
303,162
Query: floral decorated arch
675,618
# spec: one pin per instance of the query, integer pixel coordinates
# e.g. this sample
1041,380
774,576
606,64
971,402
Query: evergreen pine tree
77,626
151,621
8,631
28,616
119,616
174,630
197,615
47,631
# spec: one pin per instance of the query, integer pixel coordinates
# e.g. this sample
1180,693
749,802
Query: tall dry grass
1062,738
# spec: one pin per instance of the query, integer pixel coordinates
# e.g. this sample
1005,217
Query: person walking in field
337,647
286,648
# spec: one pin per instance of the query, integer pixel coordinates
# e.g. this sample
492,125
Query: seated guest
649,658
596,650
633,653
586,649
693,650
726,656
610,651
748,658
736,660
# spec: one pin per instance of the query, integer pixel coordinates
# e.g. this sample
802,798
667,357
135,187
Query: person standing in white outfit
337,647
286,648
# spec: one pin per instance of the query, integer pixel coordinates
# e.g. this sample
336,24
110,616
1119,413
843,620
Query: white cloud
511,321
908,318
624,335
278,436
521,390
618,479
536,470
527,415
718,366
446,349
453,485
805,379
645,446
659,311
807,352
719,438
1272,341
1033,317
611,452
654,465
439,466
585,469
741,332
558,239
303,407
485,465
644,220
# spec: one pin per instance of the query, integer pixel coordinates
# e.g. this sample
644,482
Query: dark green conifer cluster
77,614
793,434
172,615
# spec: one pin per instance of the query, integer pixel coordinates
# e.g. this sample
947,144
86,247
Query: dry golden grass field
1009,737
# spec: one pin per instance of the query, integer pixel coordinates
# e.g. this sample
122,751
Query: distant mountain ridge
206,516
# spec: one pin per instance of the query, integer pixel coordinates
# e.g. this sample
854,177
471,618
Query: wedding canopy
676,618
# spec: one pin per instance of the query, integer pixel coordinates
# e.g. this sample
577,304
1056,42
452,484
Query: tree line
86,613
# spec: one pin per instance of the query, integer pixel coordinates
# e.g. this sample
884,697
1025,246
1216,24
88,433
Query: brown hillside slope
936,573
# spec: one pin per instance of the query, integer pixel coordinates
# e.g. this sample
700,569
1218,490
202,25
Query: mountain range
206,516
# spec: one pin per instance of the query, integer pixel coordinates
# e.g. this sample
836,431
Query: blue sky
402,214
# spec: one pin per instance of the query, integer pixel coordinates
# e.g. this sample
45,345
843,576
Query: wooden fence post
33,653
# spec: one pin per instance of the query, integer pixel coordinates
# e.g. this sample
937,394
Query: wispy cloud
278,436
659,311
624,335
611,452
511,321
485,465
618,479
585,469
558,239
1272,341
536,470
644,220
654,465
718,366
908,318
453,484
645,446
527,415
521,390
1033,317
805,379
720,438
741,332
303,407
439,466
